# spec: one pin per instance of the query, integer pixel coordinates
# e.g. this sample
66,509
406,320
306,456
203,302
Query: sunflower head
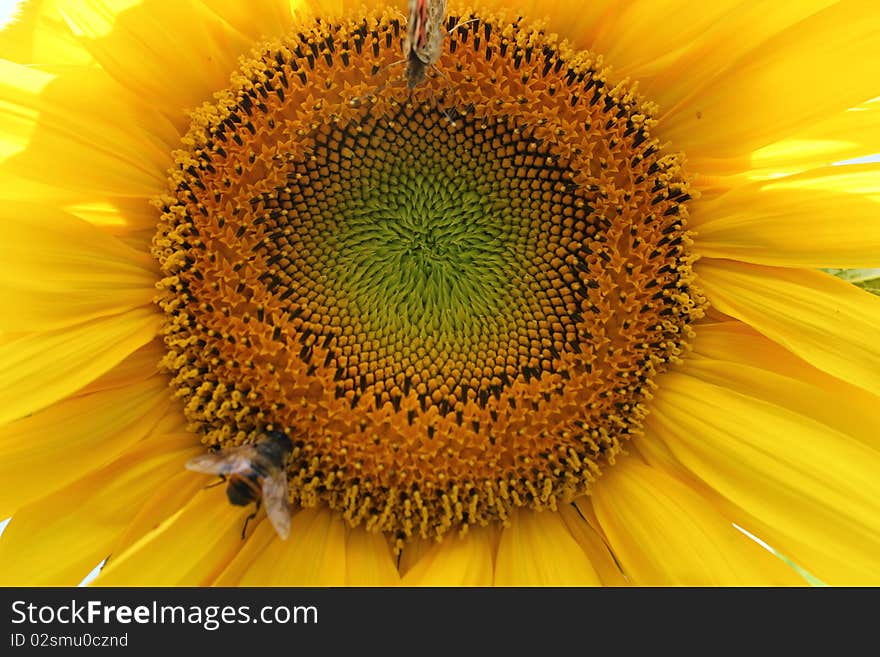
454,298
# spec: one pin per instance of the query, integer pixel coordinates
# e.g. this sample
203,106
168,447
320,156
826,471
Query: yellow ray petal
59,270
593,545
801,75
817,563
671,47
313,555
807,481
39,35
413,551
636,38
139,365
81,131
821,218
537,549
829,323
52,448
697,63
162,502
251,551
733,355
58,538
846,135
829,569
369,561
190,548
457,561
40,369
665,534
130,219
140,45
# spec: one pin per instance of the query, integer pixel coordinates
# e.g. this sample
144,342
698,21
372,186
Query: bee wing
233,461
275,499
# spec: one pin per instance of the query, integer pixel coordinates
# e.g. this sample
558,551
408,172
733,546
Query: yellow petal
141,48
457,561
313,555
593,545
665,534
59,270
39,35
802,478
58,538
636,38
734,356
163,501
369,560
827,568
831,324
81,131
413,551
537,549
796,77
716,46
846,135
130,219
670,47
38,370
190,548
263,534
54,447
138,366
822,218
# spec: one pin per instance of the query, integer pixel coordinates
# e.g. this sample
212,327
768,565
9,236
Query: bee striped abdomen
242,491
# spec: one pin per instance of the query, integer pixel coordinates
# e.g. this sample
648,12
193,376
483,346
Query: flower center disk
454,299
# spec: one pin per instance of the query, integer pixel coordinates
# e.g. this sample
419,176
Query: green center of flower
453,300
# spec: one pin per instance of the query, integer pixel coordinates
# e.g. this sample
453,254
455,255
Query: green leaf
867,279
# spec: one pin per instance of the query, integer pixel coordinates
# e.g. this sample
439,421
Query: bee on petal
254,473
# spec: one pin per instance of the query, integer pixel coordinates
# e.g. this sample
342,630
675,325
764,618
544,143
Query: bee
423,44
254,473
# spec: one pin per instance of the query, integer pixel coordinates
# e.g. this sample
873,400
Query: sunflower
553,315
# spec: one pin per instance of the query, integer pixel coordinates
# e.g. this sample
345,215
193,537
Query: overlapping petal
829,323
43,368
457,561
821,218
62,443
190,548
45,544
537,549
808,481
665,534
60,271
797,76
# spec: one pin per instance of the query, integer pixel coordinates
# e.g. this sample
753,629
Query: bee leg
249,518
216,483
